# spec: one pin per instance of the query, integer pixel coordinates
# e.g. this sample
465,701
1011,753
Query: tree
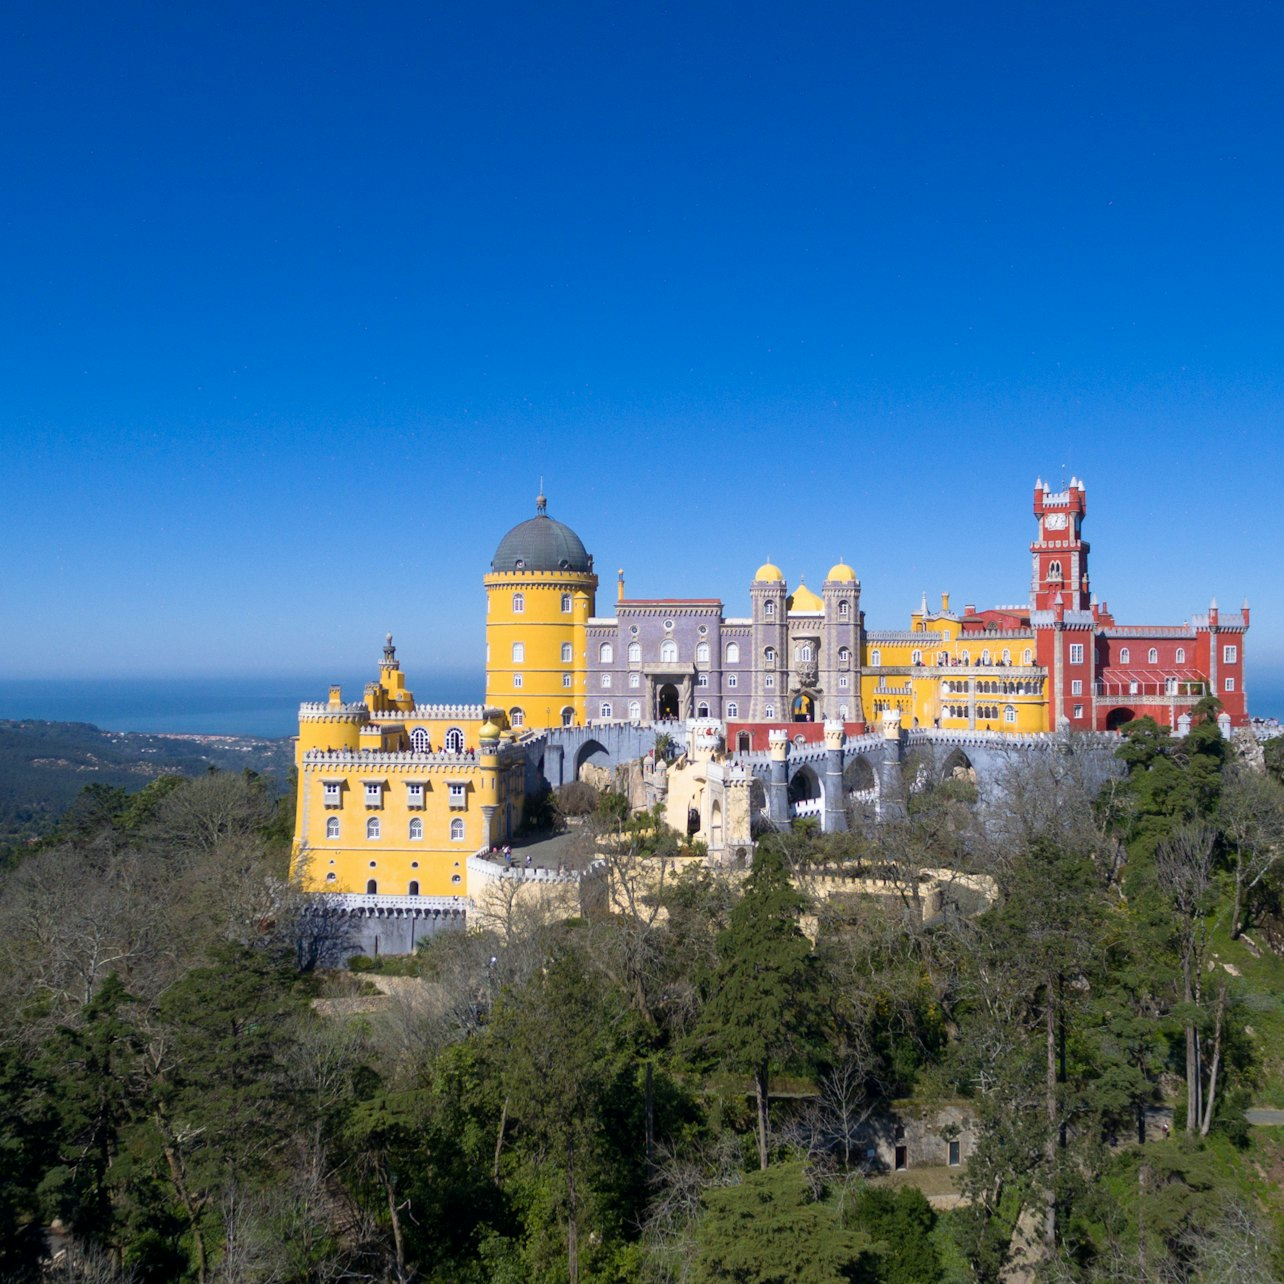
1251,816
762,1007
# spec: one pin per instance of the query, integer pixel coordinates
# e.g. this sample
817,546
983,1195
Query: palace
393,797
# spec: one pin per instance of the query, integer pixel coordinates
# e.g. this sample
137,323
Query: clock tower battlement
1059,551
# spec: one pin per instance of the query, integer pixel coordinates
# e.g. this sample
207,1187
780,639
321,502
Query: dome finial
541,503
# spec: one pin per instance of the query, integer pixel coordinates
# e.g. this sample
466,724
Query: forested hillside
681,1090
45,765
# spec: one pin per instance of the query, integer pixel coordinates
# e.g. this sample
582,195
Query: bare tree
1251,815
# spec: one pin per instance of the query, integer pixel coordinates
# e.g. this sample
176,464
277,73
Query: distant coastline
268,707
258,707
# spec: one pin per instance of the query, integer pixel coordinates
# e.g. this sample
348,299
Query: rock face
1248,748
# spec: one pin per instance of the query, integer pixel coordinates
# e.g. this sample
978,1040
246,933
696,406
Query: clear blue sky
302,299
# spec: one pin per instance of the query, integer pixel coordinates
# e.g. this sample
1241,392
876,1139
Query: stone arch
805,786
958,766
1116,718
859,776
592,752
715,826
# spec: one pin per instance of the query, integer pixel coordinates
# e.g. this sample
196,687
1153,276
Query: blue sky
302,300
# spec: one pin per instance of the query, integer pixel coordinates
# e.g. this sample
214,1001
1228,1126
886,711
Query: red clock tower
1060,552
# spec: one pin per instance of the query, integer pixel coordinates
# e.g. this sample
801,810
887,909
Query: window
333,793
519,603
769,609
733,652
965,657
876,658
635,653
457,830
331,876
605,710
916,657
668,652
1054,570
702,680
702,653
606,682
1230,654
953,1156
1076,687
419,741
1027,656
732,680
457,791
769,655
517,681
842,682
1134,688
635,680
454,741
566,604
372,827
733,710
844,655
568,716
414,793
769,681
1125,656
519,652
416,830
1152,656
1078,711
803,651
566,679
1181,655
517,716
372,887
1229,685
769,711
1007,656
635,711
374,793
566,653
606,653
702,710
332,827
844,609
1076,652
985,656
413,889
1009,714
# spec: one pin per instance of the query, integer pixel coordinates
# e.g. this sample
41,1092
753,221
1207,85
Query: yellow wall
542,628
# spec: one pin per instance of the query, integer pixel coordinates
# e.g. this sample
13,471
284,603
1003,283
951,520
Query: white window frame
373,829
519,652
567,653
733,680
606,682
567,680
1076,686
702,653
668,651
567,604
414,795
1228,684
415,830
457,794
519,603
635,653
332,827
457,830
1230,655
733,710
733,652
1076,652
606,653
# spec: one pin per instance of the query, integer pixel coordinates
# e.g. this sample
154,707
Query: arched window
942,659
635,680
844,655
606,653
568,716
702,710
519,652
733,710
372,827
844,609
419,741
769,609
454,741
372,888
769,711
702,653
842,713
635,653
876,658
519,603
1153,655
517,716
566,604
702,680
803,651
566,653
769,655
985,656
1007,656
1027,656
1125,656
965,657
1054,570
668,652
635,711
733,652
605,711
1181,655
332,827
916,657
416,830
457,830
1009,713
413,889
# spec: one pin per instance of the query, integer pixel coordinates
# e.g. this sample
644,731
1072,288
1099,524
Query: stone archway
667,703
804,707
958,766
1117,718
592,753
806,794
860,778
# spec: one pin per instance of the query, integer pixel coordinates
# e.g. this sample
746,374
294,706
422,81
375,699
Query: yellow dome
770,572
841,572
489,730
804,599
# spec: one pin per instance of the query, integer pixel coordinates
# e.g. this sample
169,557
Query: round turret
541,544
770,573
842,572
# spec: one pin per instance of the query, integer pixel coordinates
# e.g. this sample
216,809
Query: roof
541,544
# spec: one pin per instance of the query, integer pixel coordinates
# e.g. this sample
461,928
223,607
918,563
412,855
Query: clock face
1055,521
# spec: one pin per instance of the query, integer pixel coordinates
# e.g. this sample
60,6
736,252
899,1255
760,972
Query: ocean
258,707
269,707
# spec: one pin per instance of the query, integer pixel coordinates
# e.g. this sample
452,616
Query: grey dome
541,544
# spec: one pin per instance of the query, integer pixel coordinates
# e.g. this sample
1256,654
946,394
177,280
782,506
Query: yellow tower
539,597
